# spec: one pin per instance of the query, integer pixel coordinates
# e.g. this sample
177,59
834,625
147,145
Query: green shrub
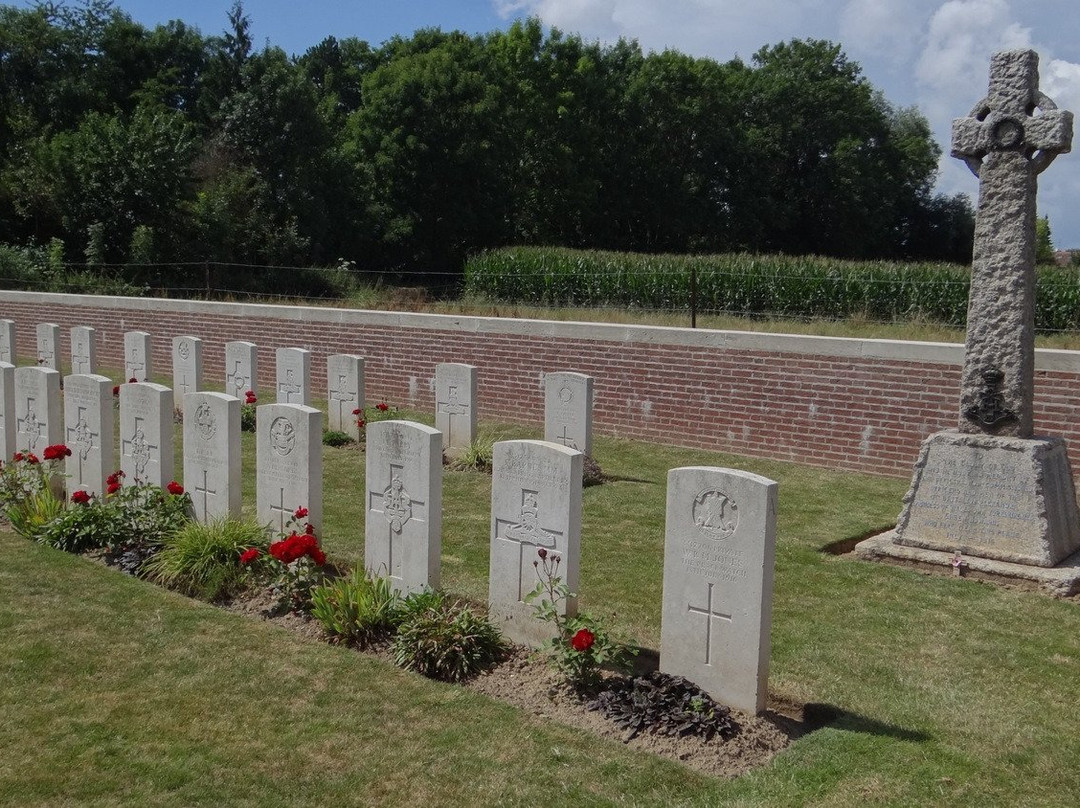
84,527
333,437
475,457
356,609
248,417
204,559
446,641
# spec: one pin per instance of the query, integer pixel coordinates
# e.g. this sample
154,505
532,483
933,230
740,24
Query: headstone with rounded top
138,357
535,509
403,502
88,432
719,556
83,350
241,369
187,368
455,404
568,406
345,393
146,434
288,465
7,342
212,462
293,376
48,338
38,418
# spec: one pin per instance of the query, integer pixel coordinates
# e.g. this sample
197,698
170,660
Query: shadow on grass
845,546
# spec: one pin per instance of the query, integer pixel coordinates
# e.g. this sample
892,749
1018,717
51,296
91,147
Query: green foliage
204,559
145,517
30,493
476,456
248,417
582,644
1044,247
333,437
356,609
751,285
83,527
445,641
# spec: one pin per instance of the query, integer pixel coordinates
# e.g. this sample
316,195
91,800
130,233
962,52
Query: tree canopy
165,144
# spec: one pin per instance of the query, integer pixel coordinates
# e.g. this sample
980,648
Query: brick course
861,405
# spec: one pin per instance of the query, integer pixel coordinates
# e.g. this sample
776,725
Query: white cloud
889,28
1060,80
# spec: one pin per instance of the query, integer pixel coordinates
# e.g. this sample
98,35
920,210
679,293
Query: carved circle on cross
1007,133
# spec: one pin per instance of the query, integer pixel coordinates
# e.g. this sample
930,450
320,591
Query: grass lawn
951,692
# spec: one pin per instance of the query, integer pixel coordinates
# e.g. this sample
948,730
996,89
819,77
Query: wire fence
602,293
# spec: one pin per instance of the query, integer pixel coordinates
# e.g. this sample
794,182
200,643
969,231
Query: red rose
542,552
583,640
80,497
300,513
18,456
116,390
357,411
133,380
113,488
361,422
382,406
57,451
32,458
318,556
249,393
309,529
175,488
249,555
250,400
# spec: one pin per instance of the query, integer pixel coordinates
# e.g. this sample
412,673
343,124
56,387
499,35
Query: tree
1044,247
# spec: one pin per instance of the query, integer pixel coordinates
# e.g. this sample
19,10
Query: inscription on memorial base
1003,498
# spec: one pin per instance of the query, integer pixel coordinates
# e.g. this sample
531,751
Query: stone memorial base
1062,580
991,499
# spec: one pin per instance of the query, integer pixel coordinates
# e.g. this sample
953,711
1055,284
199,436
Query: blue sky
933,54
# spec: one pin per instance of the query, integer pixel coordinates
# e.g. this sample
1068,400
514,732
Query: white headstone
403,528
7,342
83,350
146,433
212,464
535,502
138,357
345,392
293,376
187,368
7,411
568,404
288,452
38,419
719,552
88,432
455,404
241,369
48,337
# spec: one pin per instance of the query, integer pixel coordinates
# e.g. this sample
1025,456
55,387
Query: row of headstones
718,558
568,397
720,528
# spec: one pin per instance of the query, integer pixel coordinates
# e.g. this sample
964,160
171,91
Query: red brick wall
843,404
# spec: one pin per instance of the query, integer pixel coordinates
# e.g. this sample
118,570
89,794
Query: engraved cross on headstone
451,407
397,506
139,449
236,379
205,490
289,388
284,514
80,357
526,533
710,615
1006,144
342,396
30,425
80,438
566,440
182,382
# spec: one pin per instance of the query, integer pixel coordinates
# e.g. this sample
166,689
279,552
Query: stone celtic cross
1010,137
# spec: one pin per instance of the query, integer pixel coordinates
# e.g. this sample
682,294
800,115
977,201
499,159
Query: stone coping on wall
1046,359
